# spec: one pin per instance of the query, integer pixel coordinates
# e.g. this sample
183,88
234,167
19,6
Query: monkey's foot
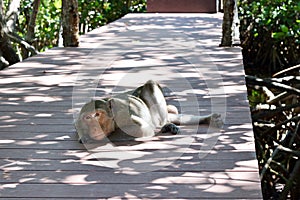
216,120
170,128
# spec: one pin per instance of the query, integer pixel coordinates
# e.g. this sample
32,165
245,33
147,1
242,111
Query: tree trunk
12,13
8,56
227,23
31,25
29,37
127,5
70,23
1,10
7,51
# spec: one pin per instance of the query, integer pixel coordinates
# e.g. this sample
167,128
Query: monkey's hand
170,128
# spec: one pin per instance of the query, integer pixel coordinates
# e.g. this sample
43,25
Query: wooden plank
230,135
30,111
234,115
63,123
99,177
199,136
34,128
231,101
225,144
225,189
180,165
40,136
75,154
25,120
114,198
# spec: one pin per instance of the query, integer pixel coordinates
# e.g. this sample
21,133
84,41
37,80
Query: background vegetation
48,23
47,30
270,38
270,34
98,13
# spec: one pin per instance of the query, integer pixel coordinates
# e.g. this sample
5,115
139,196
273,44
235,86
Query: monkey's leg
153,97
172,109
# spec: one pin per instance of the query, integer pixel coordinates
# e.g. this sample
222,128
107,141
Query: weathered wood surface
40,155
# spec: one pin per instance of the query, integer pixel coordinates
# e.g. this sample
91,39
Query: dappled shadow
40,154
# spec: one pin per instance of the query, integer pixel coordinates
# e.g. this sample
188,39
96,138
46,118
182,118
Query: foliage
270,34
270,38
97,13
92,13
256,97
276,123
47,24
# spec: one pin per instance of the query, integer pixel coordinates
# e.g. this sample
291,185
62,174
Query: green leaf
278,35
57,4
284,28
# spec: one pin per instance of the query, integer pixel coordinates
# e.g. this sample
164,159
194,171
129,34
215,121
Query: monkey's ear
109,104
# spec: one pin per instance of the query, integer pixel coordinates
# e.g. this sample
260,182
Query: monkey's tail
181,119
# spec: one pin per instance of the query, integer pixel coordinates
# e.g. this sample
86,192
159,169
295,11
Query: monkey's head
95,121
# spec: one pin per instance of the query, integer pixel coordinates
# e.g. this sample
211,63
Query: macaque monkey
134,114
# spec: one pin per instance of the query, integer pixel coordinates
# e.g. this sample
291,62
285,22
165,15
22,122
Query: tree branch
18,40
271,113
286,70
294,177
268,83
277,126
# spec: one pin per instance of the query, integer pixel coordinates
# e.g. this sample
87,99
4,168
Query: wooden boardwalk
42,159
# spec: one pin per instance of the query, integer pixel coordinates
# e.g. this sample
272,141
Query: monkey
134,114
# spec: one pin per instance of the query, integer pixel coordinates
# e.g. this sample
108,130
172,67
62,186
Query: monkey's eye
88,117
97,114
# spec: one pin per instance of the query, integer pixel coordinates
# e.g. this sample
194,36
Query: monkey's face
94,125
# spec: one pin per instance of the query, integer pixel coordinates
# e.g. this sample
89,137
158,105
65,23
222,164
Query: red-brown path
42,159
